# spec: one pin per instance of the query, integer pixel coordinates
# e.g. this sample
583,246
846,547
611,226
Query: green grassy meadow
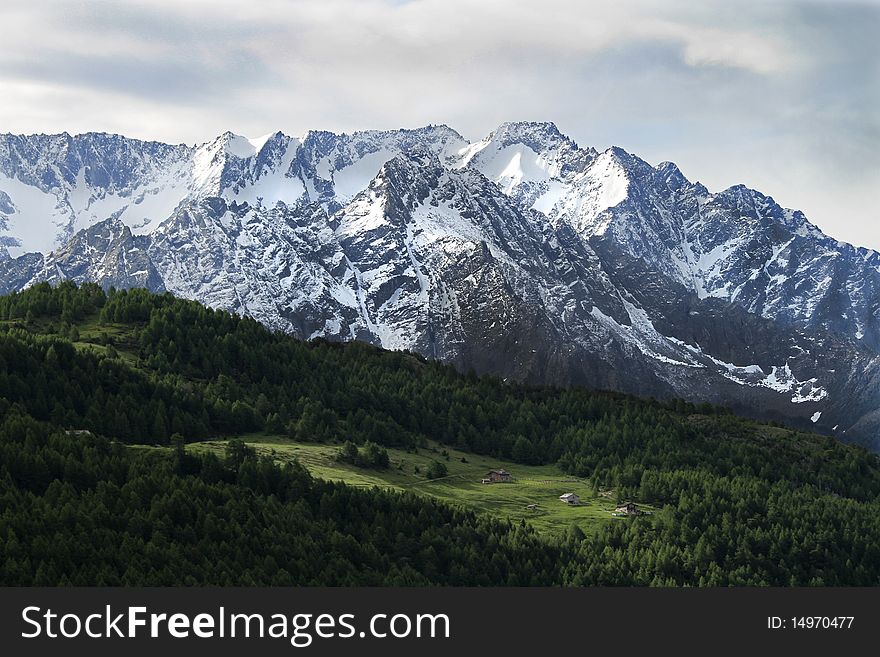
540,485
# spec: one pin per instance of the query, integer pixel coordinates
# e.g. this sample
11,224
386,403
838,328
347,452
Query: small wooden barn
627,509
497,477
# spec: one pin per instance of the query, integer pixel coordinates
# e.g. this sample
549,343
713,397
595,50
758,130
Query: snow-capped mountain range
522,254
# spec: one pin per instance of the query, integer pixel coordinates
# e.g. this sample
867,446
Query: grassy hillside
539,485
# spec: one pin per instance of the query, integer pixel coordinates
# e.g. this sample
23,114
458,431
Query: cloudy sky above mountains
781,95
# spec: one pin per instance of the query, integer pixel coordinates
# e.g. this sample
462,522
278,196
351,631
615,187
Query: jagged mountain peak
537,132
522,253
433,130
405,137
230,143
631,163
403,182
672,175
531,161
240,147
755,204
542,138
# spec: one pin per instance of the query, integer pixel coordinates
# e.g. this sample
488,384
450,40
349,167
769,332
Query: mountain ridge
523,254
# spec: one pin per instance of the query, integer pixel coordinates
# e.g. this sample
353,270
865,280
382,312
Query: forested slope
742,502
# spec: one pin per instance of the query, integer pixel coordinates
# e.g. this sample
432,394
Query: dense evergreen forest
87,376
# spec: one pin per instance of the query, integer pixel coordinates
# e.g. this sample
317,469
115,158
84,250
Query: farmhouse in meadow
570,498
627,509
497,477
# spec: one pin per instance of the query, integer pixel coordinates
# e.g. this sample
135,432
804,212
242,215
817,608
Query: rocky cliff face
523,255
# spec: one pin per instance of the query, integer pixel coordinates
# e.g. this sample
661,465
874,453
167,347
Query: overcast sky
782,95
